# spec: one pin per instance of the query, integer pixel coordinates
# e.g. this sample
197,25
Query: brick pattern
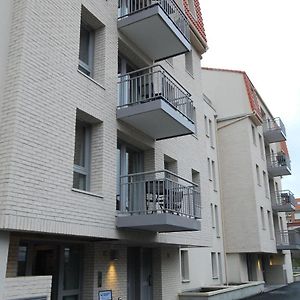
28,287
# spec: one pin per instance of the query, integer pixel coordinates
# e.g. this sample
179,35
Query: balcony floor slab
158,119
160,222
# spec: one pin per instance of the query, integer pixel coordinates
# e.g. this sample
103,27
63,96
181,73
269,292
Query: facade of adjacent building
253,157
117,174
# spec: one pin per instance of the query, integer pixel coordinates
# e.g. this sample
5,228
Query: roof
197,20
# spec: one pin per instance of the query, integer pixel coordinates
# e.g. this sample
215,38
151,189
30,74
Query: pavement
290,292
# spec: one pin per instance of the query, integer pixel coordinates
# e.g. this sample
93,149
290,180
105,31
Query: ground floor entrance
139,273
61,261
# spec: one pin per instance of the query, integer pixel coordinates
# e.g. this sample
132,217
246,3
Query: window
261,146
258,175
86,49
270,225
214,266
196,177
189,62
170,164
22,259
206,126
91,46
220,267
266,184
211,133
262,216
217,221
170,61
214,175
209,169
253,135
212,216
185,276
81,169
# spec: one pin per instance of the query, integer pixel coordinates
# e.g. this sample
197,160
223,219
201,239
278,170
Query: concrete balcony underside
162,222
154,33
157,118
287,207
275,171
274,136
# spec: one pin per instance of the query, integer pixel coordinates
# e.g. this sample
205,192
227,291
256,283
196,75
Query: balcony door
129,161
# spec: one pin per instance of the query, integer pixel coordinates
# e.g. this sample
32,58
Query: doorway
139,274
63,263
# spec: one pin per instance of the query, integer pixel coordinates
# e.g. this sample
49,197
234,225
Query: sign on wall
105,295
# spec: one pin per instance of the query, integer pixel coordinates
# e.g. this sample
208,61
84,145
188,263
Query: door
129,190
70,273
46,262
146,275
139,274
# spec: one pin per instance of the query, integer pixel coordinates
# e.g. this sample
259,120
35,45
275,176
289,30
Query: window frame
184,265
86,170
91,51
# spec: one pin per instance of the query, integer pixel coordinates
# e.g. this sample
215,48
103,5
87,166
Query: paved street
290,292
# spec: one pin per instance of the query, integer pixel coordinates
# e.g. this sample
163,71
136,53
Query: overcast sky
261,37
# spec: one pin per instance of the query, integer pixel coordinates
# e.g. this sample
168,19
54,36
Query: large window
81,169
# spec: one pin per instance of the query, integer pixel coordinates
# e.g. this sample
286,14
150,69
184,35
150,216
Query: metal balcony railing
284,197
282,238
279,160
170,7
274,124
152,83
288,239
159,192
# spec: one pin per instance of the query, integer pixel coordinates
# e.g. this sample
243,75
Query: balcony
157,27
274,131
159,201
284,201
288,240
279,165
154,102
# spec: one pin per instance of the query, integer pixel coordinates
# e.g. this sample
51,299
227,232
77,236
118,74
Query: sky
261,37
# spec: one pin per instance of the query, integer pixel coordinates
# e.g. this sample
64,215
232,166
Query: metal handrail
282,237
284,197
274,124
150,83
159,192
170,7
288,237
279,160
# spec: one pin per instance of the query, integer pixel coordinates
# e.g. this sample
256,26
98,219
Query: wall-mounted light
114,255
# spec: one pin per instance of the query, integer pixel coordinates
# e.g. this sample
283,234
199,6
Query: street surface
290,292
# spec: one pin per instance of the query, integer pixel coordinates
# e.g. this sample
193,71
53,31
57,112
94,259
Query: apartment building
253,156
104,177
